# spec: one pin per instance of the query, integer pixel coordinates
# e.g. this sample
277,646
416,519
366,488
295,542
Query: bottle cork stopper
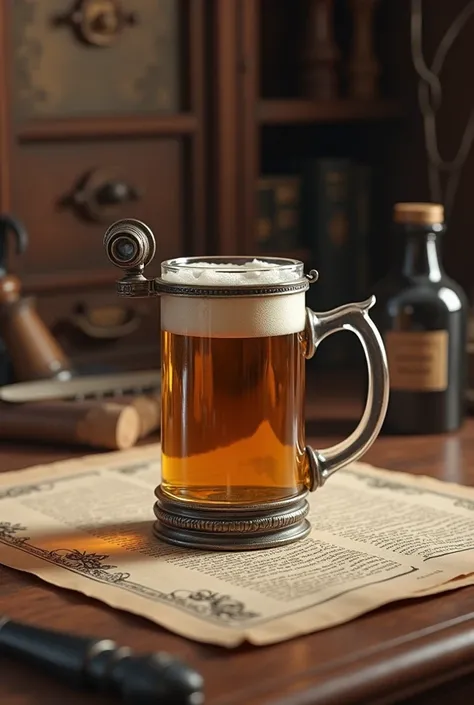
418,213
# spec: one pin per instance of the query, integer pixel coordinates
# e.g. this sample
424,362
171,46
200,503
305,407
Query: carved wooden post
364,68
320,56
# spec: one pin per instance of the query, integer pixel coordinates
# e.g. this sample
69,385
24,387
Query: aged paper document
378,536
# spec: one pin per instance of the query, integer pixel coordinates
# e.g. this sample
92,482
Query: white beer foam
253,272
239,317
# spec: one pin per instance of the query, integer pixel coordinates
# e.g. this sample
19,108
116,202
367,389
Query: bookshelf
288,100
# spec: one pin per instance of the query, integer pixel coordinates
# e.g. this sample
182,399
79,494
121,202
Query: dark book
265,211
360,229
326,216
326,220
278,218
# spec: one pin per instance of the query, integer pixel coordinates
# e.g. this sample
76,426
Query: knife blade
86,387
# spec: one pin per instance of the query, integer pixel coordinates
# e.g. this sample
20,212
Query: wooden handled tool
32,349
108,424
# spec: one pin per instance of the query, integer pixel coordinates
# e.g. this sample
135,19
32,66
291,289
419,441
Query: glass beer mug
235,334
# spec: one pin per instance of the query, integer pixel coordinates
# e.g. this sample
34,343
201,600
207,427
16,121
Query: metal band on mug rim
297,286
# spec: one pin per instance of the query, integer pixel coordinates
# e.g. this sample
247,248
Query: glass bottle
422,315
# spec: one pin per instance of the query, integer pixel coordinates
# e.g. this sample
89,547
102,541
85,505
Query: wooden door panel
63,236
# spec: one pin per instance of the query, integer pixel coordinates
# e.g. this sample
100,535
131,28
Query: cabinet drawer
97,325
68,194
95,57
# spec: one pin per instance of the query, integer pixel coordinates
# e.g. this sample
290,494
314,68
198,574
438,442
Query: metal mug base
244,527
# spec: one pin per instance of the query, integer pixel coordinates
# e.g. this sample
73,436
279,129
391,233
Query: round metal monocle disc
223,527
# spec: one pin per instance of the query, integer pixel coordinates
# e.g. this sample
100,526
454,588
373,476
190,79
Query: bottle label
418,360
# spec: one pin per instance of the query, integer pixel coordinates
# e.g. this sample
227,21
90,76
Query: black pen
101,665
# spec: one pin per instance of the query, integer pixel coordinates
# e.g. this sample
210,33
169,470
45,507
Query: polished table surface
419,651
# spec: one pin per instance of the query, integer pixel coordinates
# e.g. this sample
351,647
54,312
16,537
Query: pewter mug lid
130,245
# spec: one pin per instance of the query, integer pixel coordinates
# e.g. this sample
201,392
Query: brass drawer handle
106,322
97,22
99,194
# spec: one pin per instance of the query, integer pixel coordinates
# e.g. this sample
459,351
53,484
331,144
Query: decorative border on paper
205,604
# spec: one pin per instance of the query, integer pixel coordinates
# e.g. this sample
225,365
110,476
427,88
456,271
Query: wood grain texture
421,650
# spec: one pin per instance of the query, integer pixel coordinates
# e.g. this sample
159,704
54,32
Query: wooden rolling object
364,68
33,352
97,424
114,423
148,408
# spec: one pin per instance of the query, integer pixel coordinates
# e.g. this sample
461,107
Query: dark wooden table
413,652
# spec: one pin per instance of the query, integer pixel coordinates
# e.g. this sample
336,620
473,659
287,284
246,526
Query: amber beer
232,395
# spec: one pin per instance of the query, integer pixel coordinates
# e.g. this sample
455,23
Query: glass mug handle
355,318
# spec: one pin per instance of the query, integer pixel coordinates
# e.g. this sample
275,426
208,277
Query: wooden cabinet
168,111
102,117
